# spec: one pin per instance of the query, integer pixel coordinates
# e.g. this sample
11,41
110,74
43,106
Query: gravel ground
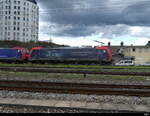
132,100
25,109
36,109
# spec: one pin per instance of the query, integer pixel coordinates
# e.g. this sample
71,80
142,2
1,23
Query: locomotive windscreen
103,55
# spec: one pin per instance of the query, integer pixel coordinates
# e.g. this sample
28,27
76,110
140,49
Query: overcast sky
79,22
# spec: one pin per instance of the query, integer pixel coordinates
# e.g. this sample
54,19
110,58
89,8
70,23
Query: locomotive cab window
34,53
27,51
104,51
19,53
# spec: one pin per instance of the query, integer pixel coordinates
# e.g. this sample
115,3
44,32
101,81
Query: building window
5,22
133,49
18,28
14,23
9,28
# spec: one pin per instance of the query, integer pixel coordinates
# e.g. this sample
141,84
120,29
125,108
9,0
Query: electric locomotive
100,55
10,55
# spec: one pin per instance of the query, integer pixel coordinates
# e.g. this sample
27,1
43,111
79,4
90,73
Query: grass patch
119,77
22,74
51,65
69,76
77,66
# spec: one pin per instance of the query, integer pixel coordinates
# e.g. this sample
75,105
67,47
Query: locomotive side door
55,55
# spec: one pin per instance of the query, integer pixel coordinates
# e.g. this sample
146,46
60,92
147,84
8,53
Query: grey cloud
86,14
96,12
137,14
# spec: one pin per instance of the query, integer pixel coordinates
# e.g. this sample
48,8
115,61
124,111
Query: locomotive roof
72,48
5,48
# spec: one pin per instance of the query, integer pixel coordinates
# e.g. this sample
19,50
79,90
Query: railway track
76,88
49,70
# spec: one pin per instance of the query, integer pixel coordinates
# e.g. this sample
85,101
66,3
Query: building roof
33,1
114,49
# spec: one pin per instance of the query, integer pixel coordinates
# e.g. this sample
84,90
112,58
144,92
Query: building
117,51
141,54
19,20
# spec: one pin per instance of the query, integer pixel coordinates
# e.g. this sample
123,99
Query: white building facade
19,20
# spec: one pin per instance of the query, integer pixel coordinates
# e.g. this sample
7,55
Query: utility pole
50,32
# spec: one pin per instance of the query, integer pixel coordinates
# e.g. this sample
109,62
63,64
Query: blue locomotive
70,55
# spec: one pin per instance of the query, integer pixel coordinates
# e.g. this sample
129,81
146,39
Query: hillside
28,45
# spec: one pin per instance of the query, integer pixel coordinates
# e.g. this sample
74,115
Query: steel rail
70,84
28,69
53,67
76,88
62,67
